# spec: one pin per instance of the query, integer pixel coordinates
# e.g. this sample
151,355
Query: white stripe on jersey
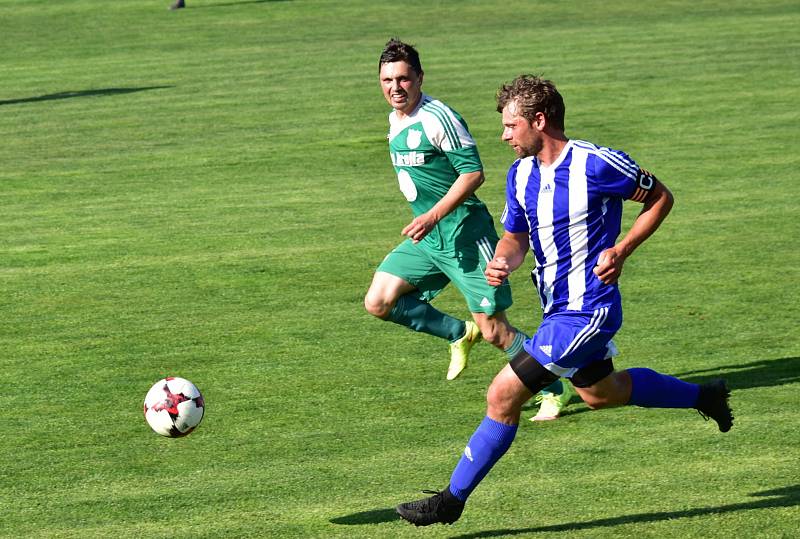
598,318
523,173
613,159
455,135
578,233
544,214
446,123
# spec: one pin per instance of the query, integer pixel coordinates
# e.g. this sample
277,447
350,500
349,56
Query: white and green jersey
430,149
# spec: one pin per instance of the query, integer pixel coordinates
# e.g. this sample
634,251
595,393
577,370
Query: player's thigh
415,266
386,288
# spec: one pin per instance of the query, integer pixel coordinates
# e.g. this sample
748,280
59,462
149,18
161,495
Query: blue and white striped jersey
572,211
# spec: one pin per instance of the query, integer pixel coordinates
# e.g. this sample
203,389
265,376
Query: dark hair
397,51
533,94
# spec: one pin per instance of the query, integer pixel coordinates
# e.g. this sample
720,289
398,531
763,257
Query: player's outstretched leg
488,443
651,389
712,402
552,400
459,349
442,507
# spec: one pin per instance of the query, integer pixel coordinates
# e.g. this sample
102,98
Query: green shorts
431,270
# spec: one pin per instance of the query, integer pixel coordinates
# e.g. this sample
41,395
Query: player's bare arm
657,205
462,188
508,256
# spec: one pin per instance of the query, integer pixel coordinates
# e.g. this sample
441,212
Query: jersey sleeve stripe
625,163
627,172
625,166
452,136
447,124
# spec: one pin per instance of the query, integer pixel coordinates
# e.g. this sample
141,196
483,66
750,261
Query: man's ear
539,121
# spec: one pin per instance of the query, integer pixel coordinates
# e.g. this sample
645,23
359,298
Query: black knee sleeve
531,373
592,373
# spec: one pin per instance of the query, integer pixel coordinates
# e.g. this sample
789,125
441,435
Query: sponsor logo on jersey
410,159
413,138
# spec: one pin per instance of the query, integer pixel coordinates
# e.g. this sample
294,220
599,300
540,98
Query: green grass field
206,193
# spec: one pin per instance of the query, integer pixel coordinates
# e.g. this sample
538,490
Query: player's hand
609,266
419,227
497,271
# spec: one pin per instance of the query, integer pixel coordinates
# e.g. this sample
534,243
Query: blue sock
489,442
654,390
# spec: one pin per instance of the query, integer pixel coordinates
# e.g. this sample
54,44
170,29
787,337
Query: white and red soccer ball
174,407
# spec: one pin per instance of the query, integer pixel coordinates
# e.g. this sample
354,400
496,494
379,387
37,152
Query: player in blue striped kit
564,202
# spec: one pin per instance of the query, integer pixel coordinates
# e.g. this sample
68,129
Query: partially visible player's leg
577,345
511,388
497,330
392,298
400,292
486,303
459,349
552,400
650,389
383,293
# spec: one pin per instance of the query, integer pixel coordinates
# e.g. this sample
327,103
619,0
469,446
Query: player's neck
552,146
407,110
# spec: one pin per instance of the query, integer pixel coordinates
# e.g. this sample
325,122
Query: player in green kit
452,236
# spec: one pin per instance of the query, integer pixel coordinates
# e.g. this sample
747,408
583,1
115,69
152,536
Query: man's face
520,133
402,86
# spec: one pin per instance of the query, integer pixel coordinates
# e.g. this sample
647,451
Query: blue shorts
569,340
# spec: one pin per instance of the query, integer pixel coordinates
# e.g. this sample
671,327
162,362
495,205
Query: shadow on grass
781,497
83,93
229,4
373,516
760,373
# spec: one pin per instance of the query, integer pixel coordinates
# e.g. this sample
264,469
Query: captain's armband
645,184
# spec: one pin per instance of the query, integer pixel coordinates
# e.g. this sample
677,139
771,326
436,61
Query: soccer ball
173,407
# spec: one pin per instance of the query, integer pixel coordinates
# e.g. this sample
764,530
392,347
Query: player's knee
500,399
597,402
606,397
376,306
